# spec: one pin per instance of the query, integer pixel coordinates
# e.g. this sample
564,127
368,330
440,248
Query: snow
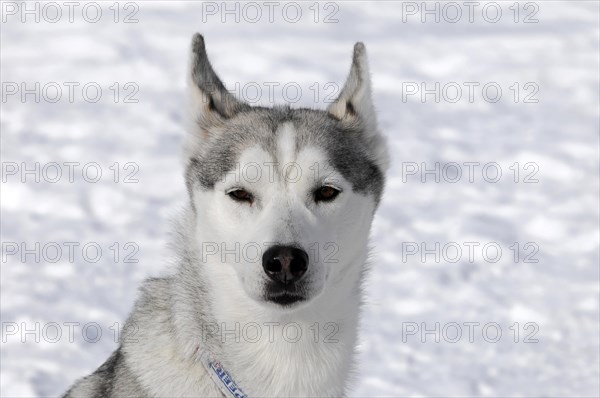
554,300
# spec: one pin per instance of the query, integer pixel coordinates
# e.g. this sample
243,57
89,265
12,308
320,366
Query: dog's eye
326,194
241,195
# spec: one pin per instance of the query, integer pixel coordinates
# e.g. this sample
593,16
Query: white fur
283,212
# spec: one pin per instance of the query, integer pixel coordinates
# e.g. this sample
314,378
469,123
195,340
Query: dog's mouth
285,299
285,296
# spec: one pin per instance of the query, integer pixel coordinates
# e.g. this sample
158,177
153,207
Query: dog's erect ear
355,98
356,104
209,99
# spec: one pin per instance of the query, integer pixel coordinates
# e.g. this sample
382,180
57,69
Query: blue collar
220,376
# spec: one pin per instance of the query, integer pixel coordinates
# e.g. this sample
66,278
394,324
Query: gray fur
349,136
345,143
203,75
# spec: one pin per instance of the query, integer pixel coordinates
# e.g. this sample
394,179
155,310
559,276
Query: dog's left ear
210,102
355,105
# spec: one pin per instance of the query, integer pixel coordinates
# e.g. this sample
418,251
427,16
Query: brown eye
326,194
241,195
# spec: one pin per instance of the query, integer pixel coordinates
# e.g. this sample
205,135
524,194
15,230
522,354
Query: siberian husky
272,250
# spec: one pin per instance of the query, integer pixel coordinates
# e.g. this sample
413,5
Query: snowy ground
555,141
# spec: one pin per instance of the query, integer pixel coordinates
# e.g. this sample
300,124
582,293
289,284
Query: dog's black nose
285,264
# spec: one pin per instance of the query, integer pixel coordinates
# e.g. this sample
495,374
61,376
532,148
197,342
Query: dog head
283,198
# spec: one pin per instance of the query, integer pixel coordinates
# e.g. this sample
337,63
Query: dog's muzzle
285,266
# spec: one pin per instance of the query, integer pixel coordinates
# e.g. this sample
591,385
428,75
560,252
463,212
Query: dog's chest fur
281,368
294,357
280,363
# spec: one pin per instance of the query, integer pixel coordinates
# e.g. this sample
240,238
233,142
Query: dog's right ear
209,101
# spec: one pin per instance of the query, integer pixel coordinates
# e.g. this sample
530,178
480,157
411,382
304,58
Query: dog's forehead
271,127
284,133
